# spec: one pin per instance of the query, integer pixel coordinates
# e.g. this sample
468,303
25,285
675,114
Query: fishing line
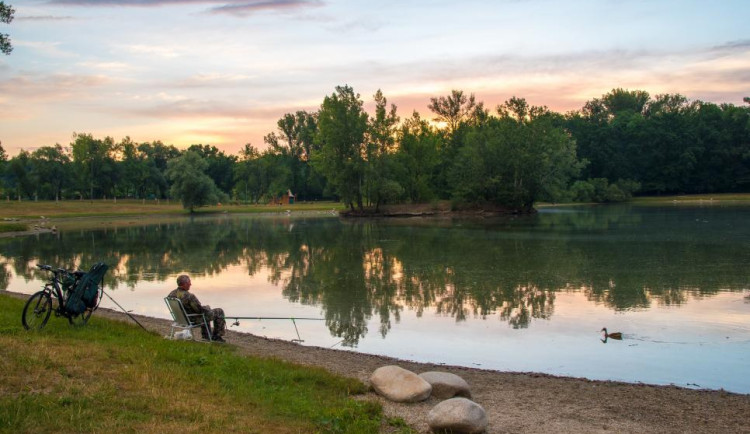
123,309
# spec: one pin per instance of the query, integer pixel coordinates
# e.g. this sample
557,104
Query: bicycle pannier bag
86,293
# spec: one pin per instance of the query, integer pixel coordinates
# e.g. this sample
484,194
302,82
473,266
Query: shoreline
514,401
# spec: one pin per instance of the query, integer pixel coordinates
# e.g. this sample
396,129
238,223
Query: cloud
230,7
166,52
50,87
742,45
245,8
45,18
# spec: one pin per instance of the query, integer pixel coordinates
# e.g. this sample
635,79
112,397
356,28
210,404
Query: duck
615,335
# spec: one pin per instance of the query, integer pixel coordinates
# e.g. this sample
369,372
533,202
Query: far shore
516,402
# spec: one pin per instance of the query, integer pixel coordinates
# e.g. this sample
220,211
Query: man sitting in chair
192,305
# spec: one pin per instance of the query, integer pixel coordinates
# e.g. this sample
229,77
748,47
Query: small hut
285,199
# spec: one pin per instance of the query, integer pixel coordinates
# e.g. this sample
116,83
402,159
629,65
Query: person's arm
193,303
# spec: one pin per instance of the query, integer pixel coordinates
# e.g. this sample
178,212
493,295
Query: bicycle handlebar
49,268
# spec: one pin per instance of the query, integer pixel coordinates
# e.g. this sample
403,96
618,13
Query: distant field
76,208
695,197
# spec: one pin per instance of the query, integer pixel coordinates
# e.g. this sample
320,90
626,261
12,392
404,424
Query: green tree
516,159
50,171
94,164
190,184
459,112
418,158
454,109
342,124
220,165
18,175
6,16
3,164
248,179
294,142
380,183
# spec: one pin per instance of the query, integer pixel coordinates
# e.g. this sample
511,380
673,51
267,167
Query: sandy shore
520,403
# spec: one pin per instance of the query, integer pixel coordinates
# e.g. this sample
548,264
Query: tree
6,16
294,144
516,159
220,165
94,163
3,163
248,180
453,109
418,158
190,184
380,185
18,175
342,124
50,171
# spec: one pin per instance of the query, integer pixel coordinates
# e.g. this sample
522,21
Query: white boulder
457,415
446,385
400,385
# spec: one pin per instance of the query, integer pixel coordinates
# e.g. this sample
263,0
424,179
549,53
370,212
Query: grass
694,198
85,208
110,376
13,227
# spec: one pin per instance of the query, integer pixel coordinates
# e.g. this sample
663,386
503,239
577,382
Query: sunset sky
222,72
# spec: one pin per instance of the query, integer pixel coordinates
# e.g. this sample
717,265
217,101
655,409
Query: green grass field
111,208
694,198
110,376
77,208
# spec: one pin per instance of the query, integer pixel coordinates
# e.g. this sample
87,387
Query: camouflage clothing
192,305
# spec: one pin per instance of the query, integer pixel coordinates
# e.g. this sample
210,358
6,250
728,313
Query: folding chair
184,320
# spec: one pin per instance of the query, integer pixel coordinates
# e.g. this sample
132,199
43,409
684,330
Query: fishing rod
123,309
299,339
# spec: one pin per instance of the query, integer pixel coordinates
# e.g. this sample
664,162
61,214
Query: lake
527,293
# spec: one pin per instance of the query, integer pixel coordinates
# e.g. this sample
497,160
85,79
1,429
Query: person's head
183,281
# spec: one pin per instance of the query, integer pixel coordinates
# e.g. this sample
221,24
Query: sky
223,72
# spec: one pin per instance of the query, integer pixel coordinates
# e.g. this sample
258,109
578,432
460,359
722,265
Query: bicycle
61,286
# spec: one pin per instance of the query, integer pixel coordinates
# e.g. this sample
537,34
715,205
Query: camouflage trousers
217,316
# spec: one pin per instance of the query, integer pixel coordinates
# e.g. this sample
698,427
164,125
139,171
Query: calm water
516,294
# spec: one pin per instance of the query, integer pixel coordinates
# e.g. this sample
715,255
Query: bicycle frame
40,305
54,290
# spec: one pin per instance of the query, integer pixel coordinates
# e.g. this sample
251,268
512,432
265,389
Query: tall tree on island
516,159
342,124
380,183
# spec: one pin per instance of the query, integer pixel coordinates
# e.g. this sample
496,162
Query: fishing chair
184,320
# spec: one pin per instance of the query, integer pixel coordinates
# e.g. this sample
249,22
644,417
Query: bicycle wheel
82,318
37,311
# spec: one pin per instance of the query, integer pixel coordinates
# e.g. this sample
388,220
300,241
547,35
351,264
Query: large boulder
446,385
400,385
457,415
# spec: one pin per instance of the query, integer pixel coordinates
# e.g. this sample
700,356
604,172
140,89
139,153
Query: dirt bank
522,403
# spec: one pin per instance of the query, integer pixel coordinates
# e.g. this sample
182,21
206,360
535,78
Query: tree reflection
508,268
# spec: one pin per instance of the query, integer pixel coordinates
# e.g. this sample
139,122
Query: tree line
622,143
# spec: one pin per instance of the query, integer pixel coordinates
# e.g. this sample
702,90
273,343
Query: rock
446,385
400,385
457,415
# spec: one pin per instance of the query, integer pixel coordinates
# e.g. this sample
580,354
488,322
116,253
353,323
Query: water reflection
511,268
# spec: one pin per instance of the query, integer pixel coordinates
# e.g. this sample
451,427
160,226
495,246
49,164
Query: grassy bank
722,197
111,376
12,227
109,207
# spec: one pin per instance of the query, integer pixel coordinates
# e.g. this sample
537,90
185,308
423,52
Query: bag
86,292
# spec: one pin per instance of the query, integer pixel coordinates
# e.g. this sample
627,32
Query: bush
600,190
